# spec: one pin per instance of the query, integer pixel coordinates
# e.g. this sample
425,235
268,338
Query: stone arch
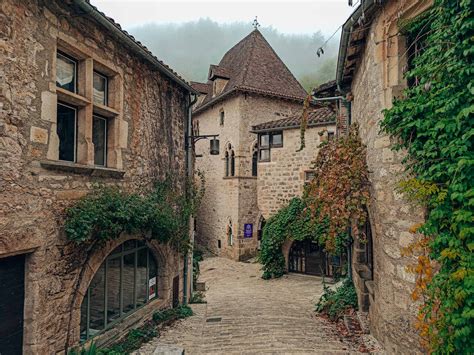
94,261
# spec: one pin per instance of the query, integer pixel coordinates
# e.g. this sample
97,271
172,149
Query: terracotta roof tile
202,88
253,66
319,116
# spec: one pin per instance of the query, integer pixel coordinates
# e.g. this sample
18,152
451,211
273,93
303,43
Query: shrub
335,303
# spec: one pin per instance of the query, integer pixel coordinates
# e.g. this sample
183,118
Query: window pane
66,129
142,277
65,73
84,319
277,139
264,140
99,138
97,301
264,154
100,89
129,244
113,289
152,274
128,283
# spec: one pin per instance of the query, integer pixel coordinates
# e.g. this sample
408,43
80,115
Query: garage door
12,290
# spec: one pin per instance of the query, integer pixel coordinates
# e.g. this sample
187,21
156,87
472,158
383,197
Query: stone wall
147,143
283,178
233,198
377,79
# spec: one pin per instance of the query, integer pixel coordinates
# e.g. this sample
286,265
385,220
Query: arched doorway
308,257
261,224
124,282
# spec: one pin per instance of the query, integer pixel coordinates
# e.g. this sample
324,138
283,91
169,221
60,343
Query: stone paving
248,315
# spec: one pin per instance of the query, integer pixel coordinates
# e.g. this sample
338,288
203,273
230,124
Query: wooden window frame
270,145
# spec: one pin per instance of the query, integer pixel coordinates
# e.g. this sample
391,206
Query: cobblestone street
248,315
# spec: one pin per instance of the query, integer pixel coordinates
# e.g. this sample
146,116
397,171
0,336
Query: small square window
277,139
66,130
66,72
100,89
99,138
309,175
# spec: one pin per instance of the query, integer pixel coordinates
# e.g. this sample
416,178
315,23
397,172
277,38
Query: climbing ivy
333,202
108,211
434,123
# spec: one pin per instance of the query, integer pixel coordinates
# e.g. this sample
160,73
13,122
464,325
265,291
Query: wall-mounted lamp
214,142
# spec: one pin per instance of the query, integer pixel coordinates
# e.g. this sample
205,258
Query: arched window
125,281
230,234
226,163
255,160
232,163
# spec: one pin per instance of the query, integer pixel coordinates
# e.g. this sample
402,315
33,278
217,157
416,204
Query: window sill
105,111
239,177
81,169
71,98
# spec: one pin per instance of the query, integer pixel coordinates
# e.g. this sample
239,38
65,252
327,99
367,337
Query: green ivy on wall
108,211
434,124
333,202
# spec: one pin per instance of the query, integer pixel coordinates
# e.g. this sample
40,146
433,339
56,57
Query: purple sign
248,230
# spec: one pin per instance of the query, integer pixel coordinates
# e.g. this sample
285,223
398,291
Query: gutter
345,35
189,174
291,127
127,39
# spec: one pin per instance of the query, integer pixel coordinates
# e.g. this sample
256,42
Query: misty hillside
189,48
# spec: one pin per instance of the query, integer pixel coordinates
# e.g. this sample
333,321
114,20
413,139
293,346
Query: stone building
250,86
82,103
372,58
284,169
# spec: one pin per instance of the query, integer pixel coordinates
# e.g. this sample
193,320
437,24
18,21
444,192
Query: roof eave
264,130
346,34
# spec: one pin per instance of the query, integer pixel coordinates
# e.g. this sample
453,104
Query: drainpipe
190,101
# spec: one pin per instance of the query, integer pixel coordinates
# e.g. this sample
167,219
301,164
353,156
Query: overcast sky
295,17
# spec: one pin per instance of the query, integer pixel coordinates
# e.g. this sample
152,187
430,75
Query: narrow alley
245,314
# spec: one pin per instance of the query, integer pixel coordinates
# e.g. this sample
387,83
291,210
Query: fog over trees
190,47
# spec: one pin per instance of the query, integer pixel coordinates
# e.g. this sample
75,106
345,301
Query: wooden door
175,291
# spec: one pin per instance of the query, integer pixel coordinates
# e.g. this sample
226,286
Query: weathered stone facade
284,177
384,291
233,198
147,115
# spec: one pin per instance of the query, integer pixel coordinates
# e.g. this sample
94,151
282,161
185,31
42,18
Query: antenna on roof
255,23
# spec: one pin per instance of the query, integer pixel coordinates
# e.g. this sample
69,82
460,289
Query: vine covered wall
434,123
332,203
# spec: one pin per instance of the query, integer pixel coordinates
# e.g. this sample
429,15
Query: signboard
152,288
248,230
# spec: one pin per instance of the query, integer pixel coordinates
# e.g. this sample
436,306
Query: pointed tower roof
253,66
